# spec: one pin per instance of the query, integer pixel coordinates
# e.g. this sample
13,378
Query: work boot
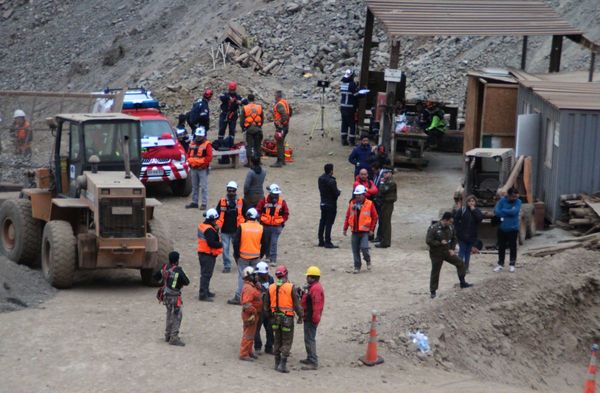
226,270
330,245
203,207
321,244
269,350
310,367
253,355
234,300
191,206
167,338
211,294
433,294
277,164
465,284
277,361
175,340
246,358
305,361
205,299
282,368
344,142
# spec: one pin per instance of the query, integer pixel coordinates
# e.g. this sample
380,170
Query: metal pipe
592,65
126,157
524,53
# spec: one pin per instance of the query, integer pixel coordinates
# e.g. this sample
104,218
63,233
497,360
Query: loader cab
80,136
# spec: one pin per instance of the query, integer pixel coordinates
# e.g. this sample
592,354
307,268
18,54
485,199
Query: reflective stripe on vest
253,115
364,218
286,301
240,216
345,95
276,219
203,244
250,240
197,156
286,108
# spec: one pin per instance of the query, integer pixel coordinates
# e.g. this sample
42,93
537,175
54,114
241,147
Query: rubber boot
176,341
283,366
277,361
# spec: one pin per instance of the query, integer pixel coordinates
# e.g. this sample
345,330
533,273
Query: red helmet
281,271
232,85
208,93
278,135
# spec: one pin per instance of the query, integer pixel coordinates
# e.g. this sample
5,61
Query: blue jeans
226,239
464,252
360,243
272,233
310,342
241,265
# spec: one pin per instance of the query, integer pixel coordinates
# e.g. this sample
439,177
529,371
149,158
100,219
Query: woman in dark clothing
466,224
254,184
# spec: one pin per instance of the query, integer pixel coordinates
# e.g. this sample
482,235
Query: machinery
489,173
86,211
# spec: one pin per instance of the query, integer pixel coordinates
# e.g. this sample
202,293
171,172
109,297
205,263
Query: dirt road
106,334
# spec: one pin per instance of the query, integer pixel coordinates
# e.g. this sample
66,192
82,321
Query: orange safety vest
203,244
253,115
277,116
364,219
21,133
240,215
250,240
276,219
197,157
281,298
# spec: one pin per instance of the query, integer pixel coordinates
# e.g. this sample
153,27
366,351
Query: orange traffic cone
371,358
590,382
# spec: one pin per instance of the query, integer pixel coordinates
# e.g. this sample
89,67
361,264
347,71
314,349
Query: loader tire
59,254
20,233
182,187
165,245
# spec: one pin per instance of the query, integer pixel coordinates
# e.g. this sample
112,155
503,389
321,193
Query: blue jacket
509,214
361,158
199,115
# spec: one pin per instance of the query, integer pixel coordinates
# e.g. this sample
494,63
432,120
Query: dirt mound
21,287
534,327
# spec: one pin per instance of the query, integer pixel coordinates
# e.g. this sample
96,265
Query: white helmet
211,214
274,189
360,190
200,131
252,213
232,184
348,73
247,272
262,267
19,113
180,131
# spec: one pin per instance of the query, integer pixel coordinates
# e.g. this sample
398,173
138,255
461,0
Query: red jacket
351,225
313,302
285,212
369,185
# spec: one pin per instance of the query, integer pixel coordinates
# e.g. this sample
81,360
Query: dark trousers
207,266
348,131
254,137
281,146
437,260
385,224
224,122
310,342
264,322
328,213
507,239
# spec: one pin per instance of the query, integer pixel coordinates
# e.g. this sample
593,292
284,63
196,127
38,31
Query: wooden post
364,65
592,65
524,53
555,53
386,136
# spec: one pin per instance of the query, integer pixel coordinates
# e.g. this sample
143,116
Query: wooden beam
524,53
555,53
386,136
592,65
365,62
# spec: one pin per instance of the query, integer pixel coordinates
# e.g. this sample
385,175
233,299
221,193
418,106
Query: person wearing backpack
173,278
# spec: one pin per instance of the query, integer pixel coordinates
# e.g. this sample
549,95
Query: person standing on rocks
200,155
209,248
441,239
274,213
230,104
282,112
22,134
252,305
508,209
251,121
387,196
254,183
199,116
172,278
361,218
466,222
313,301
329,194
231,216
348,105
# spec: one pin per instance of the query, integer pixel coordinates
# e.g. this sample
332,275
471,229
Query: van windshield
155,128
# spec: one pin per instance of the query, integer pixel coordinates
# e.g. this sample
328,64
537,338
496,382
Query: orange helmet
208,93
232,85
281,271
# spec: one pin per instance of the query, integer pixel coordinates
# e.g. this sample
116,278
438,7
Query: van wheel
59,253
20,233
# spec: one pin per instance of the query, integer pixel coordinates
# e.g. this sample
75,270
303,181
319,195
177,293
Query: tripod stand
323,85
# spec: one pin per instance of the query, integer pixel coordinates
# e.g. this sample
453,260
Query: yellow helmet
313,271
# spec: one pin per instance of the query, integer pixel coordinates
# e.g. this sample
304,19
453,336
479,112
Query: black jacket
466,224
230,219
182,279
328,189
212,236
199,115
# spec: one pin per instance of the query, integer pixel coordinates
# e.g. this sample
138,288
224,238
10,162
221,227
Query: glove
252,317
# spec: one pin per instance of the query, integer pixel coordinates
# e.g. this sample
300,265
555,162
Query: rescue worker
361,156
436,129
252,305
22,134
387,196
231,215
282,112
248,248
209,248
361,218
182,134
251,122
313,301
363,179
172,278
254,183
230,104
200,155
274,213
264,279
282,302
199,115
348,106
329,194
441,239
